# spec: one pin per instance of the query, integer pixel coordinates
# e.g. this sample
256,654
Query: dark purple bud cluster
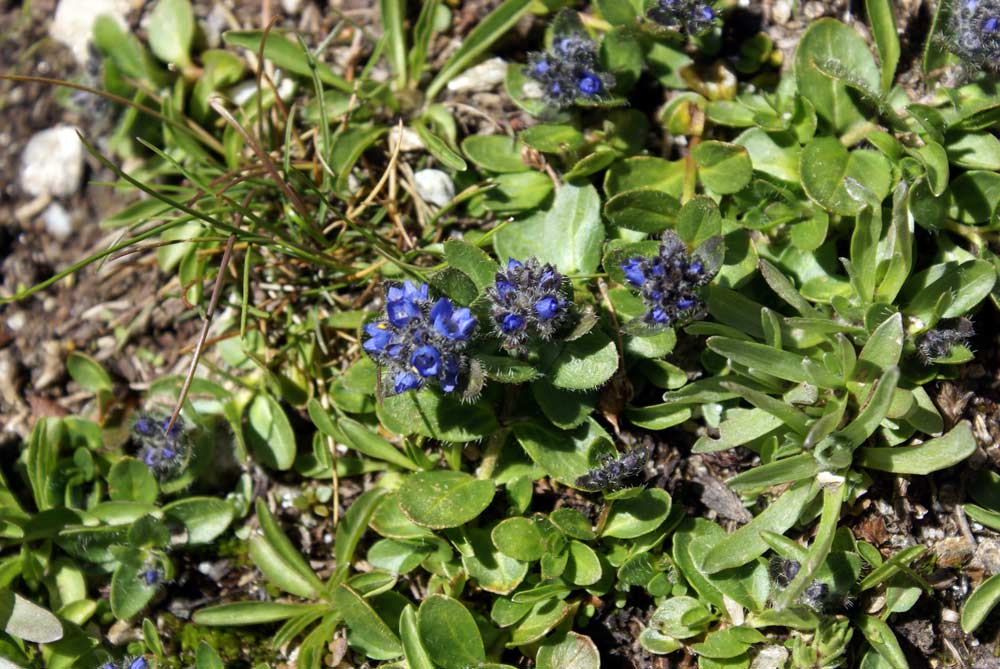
420,341
164,451
526,302
569,71
613,472
691,16
818,595
938,343
669,282
973,32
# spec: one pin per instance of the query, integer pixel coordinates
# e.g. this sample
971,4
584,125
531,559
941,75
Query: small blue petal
426,361
514,264
511,323
138,663
991,24
659,315
634,272
449,374
547,307
707,13
405,381
379,336
589,84
685,303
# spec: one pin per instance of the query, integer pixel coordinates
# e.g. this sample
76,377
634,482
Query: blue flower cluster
526,301
691,16
669,282
419,341
939,342
136,663
974,32
569,71
165,452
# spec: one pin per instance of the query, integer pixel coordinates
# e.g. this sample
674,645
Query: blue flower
634,273
145,426
668,282
691,16
450,370
512,323
164,451
541,67
426,361
403,303
150,576
450,322
405,381
380,336
547,307
138,663
513,264
589,84
707,13
991,24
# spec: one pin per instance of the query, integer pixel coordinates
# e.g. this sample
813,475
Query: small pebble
434,186
57,221
482,77
52,162
73,24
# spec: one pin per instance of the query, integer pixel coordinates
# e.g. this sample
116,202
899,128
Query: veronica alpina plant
669,282
691,16
165,451
526,303
569,72
419,341
973,32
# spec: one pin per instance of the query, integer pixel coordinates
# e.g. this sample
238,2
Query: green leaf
945,451
881,638
760,357
441,499
830,41
286,54
439,148
773,153
352,526
825,164
575,651
360,438
637,515
519,538
565,456
204,518
552,138
471,261
207,658
584,567
643,209
584,363
413,648
572,523
269,434
746,544
723,168
569,235
990,519
449,633
131,481
129,591
489,568
495,153
883,22
739,427
283,555
486,32
393,12
440,417
369,633
699,220
26,620
88,372
171,31
977,607
248,613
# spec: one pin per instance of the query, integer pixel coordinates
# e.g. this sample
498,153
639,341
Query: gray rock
52,162
483,77
58,222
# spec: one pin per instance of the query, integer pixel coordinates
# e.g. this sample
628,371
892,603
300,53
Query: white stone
73,24
434,186
483,77
52,162
57,221
408,139
291,6
770,657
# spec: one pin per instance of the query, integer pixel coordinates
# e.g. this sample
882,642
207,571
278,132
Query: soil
120,314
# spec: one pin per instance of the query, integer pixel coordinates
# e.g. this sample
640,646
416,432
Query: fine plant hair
527,303
613,472
939,342
570,71
973,33
164,448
